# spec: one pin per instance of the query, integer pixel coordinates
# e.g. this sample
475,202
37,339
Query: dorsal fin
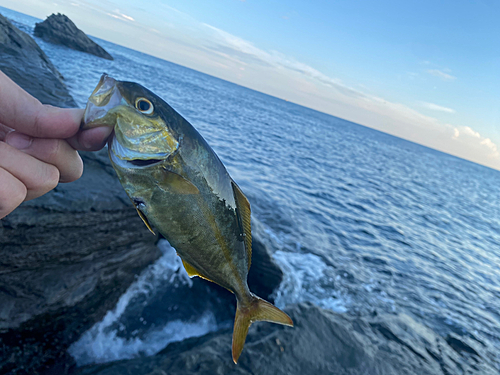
244,212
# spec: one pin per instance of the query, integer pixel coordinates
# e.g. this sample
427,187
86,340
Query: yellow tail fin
258,309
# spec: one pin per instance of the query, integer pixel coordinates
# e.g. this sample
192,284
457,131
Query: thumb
21,111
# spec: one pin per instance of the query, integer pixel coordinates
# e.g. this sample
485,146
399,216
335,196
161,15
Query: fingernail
18,140
76,114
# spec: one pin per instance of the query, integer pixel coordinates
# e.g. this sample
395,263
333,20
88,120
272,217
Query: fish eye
144,106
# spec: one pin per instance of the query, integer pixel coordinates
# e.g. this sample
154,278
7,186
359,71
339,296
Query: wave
105,342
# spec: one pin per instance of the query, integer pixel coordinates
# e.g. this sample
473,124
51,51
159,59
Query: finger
52,151
12,193
38,177
91,140
21,111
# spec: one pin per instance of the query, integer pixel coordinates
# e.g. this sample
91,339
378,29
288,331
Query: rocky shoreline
321,342
69,255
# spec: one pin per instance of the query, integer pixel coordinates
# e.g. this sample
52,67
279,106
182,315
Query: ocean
361,222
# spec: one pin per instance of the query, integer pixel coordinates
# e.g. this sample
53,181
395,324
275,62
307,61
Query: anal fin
192,272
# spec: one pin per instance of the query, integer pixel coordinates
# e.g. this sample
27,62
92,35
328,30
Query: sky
426,71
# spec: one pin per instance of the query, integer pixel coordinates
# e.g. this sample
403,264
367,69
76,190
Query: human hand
38,145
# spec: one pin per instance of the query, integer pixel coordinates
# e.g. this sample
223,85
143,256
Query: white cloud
127,17
436,107
468,131
245,50
493,147
118,15
439,73
468,137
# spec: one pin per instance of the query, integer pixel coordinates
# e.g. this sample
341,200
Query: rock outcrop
66,258
321,342
59,29
27,65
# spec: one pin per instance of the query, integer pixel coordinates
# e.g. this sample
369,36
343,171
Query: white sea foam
305,280
103,344
98,346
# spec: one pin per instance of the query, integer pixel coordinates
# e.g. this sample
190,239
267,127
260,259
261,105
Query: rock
59,29
321,342
264,275
26,64
66,258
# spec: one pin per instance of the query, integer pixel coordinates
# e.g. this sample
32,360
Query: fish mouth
105,96
127,158
134,163
144,163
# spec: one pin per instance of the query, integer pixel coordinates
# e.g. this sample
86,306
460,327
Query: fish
180,187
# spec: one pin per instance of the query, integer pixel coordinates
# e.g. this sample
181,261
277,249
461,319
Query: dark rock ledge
59,29
65,259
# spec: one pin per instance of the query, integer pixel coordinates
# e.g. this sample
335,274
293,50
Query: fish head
141,135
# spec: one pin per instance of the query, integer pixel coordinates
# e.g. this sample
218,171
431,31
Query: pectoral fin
145,219
244,216
175,183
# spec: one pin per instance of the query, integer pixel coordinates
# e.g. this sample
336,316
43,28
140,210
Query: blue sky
426,71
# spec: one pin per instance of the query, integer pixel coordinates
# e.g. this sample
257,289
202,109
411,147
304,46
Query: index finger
21,111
